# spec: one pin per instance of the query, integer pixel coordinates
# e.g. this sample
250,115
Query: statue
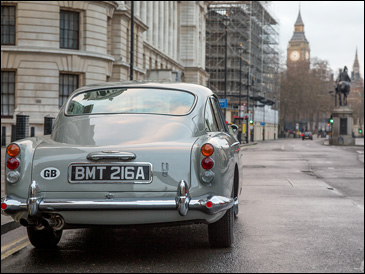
343,86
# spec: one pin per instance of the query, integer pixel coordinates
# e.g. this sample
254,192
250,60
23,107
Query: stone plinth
342,127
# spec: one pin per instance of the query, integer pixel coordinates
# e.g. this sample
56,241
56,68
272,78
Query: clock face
294,56
307,55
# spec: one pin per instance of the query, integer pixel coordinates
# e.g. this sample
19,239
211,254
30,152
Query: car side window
210,122
219,116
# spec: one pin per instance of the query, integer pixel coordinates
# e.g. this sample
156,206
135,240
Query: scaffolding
254,27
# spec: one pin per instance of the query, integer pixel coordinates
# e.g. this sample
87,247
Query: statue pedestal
342,127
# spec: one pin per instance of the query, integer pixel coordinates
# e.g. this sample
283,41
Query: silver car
127,154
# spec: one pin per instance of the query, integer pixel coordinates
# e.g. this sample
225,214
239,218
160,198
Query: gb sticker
50,173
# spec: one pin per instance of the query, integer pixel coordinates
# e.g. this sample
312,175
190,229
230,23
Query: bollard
3,136
22,126
48,124
13,133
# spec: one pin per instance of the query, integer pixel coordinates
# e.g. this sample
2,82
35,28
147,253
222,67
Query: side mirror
234,128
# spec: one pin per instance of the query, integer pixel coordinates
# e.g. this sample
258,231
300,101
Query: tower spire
356,66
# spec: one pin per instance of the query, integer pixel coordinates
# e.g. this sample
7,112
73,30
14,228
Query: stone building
50,48
356,97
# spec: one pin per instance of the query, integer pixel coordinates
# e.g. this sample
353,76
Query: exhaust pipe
56,222
29,222
60,222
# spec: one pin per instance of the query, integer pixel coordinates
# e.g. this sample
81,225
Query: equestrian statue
343,84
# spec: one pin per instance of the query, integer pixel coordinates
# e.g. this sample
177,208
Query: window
69,29
210,122
7,93
7,25
222,125
132,100
68,83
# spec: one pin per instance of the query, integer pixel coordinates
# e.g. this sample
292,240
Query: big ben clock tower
298,49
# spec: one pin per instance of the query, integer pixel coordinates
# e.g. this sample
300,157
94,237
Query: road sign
223,103
262,123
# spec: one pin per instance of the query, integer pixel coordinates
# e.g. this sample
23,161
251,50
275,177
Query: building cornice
127,14
57,51
150,47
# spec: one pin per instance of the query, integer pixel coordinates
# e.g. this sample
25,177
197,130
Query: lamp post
132,42
240,50
226,21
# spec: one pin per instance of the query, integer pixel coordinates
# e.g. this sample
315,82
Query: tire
221,232
46,238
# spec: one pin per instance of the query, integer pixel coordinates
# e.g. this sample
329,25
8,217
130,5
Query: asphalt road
301,210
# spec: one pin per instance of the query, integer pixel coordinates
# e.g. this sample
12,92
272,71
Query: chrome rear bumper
35,204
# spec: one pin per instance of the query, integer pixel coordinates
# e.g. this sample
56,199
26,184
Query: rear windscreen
132,100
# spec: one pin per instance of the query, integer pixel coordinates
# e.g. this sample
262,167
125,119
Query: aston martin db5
127,154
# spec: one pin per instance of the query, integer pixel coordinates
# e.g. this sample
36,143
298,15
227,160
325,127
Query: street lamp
240,50
226,21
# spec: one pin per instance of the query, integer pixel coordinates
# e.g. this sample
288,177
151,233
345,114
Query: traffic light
360,130
331,119
251,121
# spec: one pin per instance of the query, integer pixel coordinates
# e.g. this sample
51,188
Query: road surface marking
5,247
15,249
290,182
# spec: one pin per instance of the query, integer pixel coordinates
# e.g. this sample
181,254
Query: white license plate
138,173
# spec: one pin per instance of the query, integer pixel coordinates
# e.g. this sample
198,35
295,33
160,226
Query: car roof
196,89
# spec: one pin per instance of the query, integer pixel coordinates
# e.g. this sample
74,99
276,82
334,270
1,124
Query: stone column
150,14
137,9
161,25
176,30
155,23
166,27
170,40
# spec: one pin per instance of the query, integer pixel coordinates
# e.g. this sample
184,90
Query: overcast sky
333,28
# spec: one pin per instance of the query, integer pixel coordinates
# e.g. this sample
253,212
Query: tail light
13,163
207,150
207,176
207,163
13,150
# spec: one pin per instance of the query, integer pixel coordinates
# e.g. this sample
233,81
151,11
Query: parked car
307,135
127,154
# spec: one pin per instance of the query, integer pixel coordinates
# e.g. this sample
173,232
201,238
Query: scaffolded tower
253,26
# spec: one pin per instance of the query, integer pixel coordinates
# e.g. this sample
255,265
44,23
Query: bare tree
305,93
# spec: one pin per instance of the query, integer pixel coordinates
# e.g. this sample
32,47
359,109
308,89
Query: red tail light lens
13,150
207,150
12,163
207,163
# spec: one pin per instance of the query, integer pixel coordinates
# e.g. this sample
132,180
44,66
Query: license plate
138,173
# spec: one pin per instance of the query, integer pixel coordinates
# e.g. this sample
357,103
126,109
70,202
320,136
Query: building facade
50,48
356,97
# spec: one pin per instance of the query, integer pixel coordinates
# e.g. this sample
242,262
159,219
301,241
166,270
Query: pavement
8,224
